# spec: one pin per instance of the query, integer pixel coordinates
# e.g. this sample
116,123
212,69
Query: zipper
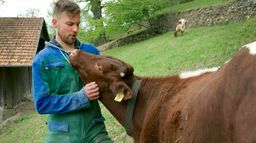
62,51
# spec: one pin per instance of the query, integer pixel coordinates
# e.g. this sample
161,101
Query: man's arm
54,104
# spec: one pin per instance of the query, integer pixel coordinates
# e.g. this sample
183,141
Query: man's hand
92,90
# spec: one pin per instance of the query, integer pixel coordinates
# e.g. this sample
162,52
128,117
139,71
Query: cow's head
112,75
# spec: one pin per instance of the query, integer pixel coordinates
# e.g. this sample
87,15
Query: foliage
126,13
124,16
119,16
92,30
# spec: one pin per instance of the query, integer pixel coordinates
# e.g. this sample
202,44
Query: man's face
67,26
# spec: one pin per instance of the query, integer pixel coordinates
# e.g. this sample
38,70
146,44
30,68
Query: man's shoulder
45,53
89,48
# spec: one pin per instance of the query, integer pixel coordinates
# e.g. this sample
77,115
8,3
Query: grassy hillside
199,47
194,4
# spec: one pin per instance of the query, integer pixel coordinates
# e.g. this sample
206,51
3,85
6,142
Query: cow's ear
99,67
121,91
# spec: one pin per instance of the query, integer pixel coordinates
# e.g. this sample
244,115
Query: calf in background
180,27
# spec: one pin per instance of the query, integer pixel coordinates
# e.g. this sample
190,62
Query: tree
92,13
123,14
31,12
118,16
96,9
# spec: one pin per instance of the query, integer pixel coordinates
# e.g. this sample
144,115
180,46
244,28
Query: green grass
194,5
199,47
115,130
28,129
32,129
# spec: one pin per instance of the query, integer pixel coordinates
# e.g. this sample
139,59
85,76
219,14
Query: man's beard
66,40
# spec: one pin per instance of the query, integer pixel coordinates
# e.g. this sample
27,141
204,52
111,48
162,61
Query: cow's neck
148,89
116,109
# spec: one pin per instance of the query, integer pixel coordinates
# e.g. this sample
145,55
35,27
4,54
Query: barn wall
1,86
15,84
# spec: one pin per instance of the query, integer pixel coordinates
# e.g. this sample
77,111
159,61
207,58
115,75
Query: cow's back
217,108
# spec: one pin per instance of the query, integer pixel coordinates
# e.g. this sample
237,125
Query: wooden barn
20,40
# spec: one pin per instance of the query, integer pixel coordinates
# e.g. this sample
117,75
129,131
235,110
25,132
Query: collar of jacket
78,44
54,44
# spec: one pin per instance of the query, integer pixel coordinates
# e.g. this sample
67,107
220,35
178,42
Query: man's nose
75,28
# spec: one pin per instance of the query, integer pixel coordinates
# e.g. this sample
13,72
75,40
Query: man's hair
65,6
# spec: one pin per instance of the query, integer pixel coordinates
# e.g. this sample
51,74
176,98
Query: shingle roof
19,38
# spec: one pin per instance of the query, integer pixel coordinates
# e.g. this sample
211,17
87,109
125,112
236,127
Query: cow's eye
99,67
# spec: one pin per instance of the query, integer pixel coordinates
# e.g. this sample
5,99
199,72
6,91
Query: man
74,112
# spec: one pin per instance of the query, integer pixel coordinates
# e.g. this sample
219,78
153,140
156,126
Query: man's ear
54,23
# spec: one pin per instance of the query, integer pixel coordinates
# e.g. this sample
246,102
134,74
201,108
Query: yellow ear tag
119,97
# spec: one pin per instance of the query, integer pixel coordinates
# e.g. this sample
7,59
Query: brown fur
211,108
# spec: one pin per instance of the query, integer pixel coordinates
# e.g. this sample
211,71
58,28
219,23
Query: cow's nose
74,52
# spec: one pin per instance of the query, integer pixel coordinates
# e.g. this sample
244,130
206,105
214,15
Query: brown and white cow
214,107
180,27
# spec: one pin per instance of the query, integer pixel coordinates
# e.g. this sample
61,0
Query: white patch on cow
197,72
251,47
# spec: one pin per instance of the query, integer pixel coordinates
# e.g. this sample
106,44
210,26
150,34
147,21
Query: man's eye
69,24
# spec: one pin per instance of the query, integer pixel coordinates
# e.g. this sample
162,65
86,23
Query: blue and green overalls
58,91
